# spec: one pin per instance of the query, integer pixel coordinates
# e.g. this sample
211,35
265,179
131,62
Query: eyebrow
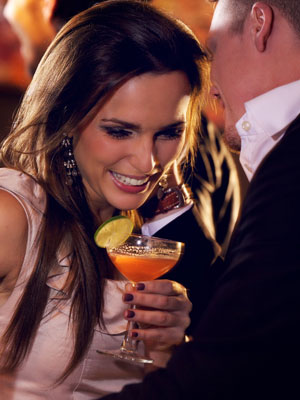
135,127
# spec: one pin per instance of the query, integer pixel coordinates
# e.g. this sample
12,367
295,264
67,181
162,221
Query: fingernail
134,334
128,297
130,314
140,286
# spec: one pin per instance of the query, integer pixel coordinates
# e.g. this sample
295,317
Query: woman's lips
129,184
127,180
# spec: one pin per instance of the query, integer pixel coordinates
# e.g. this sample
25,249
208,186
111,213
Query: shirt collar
273,111
266,119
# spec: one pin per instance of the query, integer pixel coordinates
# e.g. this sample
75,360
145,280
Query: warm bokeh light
12,69
195,13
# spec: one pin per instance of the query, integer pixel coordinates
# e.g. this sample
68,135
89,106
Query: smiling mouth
126,180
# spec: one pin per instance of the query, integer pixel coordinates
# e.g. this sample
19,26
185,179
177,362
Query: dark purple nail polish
130,314
134,334
128,297
140,286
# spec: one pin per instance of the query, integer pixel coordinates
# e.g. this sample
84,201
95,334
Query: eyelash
117,133
171,134
120,133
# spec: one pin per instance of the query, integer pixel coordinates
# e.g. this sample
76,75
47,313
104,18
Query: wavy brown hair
93,54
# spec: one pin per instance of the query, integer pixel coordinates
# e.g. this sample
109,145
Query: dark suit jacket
191,273
247,343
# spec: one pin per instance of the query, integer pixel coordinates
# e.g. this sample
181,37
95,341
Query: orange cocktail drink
142,268
144,258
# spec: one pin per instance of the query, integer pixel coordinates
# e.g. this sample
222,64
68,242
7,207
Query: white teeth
129,181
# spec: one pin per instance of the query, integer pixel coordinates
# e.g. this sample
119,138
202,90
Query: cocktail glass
142,258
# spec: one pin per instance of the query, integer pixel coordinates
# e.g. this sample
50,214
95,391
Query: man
246,345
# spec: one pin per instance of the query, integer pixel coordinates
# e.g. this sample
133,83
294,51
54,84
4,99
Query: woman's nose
144,157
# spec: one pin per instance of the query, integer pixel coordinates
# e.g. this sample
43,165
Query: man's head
290,9
36,22
255,47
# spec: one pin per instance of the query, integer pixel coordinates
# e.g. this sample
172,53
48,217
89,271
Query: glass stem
129,344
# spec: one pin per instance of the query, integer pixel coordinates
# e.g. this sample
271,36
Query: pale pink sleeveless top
97,374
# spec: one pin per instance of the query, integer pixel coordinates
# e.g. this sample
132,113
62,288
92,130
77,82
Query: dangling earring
170,198
163,186
69,161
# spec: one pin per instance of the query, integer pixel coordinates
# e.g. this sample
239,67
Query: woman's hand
163,315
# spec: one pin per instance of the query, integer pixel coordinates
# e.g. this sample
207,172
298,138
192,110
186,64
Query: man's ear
48,9
262,18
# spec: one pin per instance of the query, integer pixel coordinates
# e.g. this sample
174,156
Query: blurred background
12,71
14,77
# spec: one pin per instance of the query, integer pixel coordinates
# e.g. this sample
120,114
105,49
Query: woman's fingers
162,315
158,318
157,301
162,312
160,328
160,286
162,295
162,338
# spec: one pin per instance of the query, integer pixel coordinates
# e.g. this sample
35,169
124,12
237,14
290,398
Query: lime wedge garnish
113,232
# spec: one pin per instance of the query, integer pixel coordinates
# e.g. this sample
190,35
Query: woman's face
132,141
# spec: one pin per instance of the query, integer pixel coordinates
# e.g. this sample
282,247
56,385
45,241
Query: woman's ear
262,18
48,9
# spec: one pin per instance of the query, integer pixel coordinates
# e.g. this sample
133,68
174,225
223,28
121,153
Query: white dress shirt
151,227
265,122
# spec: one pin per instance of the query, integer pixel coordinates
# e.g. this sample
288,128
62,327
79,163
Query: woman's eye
117,133
171,134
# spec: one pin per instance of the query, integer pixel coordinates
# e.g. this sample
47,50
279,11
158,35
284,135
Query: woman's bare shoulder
13,234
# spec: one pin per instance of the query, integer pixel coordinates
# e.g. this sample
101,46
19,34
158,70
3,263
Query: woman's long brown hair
91,56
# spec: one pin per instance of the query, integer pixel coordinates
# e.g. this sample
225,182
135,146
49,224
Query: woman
111,107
